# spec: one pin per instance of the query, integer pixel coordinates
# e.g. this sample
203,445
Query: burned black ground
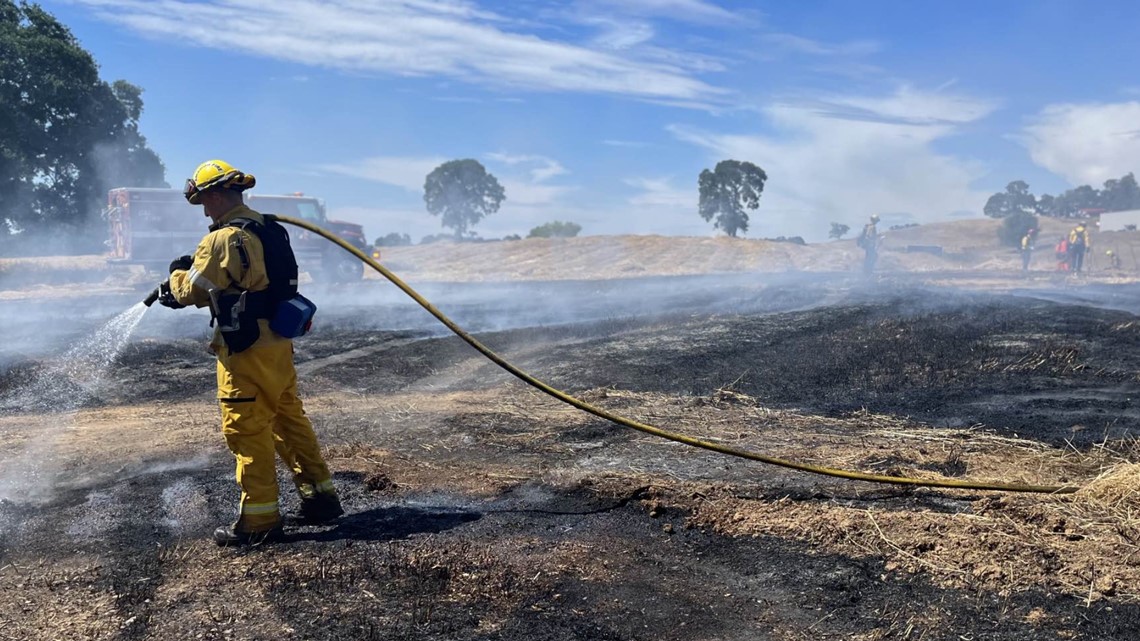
562,537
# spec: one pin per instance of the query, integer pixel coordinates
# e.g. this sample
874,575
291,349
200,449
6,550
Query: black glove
182,262
166,298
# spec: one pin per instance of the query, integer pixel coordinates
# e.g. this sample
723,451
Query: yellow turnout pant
261,413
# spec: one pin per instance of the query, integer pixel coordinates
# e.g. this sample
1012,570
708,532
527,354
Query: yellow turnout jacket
218,268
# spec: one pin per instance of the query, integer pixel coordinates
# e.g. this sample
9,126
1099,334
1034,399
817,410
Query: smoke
55,394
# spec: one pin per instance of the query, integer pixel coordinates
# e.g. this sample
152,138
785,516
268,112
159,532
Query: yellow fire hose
656,431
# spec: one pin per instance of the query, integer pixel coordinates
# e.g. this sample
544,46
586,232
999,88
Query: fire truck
151,227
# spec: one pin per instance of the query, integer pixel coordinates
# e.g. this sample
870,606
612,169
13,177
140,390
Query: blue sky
603,112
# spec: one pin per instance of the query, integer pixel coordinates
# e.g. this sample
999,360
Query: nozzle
153,296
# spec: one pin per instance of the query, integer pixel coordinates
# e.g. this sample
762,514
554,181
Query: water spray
60,391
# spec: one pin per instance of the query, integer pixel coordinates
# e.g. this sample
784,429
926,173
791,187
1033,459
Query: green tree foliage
838,230
727,190
1014,226
1015,199
126,161
1118,194
556,229
66,136
394,240
462,193
439,238
1070,203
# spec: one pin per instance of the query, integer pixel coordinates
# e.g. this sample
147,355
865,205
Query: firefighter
1113,259
1027,248
869,241
257,382
1079,245
1062,254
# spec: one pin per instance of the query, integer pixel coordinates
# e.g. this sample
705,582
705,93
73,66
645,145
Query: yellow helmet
215,174
1109,252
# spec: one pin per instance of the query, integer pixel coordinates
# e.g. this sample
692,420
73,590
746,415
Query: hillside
969,245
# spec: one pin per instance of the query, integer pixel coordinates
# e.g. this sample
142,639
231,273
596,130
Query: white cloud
411,37
529,197
799,44
405,172
660,192
850,156
522,193
909,106
1086,143
632,144
619,34
546,167
692,10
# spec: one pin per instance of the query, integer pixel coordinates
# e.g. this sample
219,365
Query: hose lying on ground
656,431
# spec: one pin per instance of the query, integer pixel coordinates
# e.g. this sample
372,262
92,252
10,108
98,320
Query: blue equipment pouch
293,317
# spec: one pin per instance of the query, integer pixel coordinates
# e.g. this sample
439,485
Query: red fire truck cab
151,227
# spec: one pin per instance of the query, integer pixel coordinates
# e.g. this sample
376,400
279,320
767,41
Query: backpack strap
257,303
241,224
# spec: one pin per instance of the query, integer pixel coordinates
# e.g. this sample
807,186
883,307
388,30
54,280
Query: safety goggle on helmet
215,174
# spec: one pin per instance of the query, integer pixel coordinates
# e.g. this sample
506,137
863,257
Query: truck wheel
344,269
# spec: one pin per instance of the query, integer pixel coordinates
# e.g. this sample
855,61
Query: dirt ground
479,508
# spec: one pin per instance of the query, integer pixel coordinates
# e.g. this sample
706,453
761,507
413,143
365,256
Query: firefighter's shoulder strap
289,313
280,262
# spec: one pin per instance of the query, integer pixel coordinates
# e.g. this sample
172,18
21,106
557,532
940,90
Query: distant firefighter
1113,259
1062,254
1079,245
869,240
1027,248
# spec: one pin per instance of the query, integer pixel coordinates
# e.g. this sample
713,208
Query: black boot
323,507
228,535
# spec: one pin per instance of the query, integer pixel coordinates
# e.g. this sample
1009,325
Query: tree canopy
838,230
66,136
462,193
1118,194
727,190
1015,199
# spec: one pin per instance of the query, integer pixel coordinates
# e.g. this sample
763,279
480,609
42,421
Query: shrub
1014,226
795,240
435,238
556,229
393,240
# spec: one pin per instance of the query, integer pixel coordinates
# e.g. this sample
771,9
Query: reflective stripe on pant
261,414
